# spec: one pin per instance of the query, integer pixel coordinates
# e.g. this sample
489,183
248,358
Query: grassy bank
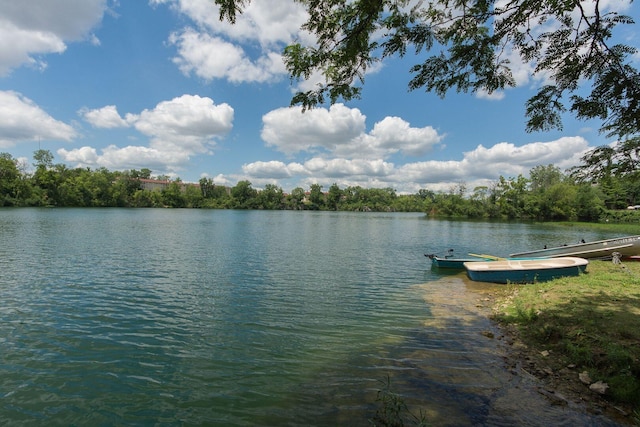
588,323
615,228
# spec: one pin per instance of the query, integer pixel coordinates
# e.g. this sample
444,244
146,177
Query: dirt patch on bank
560,384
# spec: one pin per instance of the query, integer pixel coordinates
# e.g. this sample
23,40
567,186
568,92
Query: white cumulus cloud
106,117
290,131
393,135
210,57
22,120
340,131
177,130
44,27
247,51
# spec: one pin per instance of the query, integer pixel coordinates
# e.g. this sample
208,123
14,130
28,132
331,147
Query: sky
164,85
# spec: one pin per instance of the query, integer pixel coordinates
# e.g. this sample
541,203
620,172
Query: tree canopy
472,46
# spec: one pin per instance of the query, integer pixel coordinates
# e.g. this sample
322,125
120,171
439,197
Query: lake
253,318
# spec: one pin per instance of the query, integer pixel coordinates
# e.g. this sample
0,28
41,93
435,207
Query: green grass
621,228
591,321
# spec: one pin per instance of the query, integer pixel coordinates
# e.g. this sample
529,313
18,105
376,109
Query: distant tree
244,195
613,192
379,199
73,188
588,204
143,173
48,177
480,202
481,193
100,187
333,196
9,180
207,187
271,197
125,186
511,196
172,196
146,199
352,197
296,197
426,194
408,203
543,177
451,204
43,158
316,197
631,184
193,197
220,192
465,45
559,203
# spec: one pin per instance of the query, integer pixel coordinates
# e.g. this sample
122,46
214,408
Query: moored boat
626,246
525,270
452,263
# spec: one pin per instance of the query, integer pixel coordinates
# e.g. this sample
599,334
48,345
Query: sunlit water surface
243,318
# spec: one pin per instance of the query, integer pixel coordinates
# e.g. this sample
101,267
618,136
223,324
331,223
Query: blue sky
162,84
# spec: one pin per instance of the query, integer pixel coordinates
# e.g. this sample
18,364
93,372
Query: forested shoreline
547,195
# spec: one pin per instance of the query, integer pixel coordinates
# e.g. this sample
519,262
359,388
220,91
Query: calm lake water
242,318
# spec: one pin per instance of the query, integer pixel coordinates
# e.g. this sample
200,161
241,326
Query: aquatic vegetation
393,411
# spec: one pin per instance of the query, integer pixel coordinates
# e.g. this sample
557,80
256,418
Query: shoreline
503,371
542,324
560,387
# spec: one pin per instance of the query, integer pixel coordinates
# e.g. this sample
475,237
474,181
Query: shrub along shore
581,335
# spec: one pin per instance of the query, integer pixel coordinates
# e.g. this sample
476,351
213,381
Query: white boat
525,270
626,246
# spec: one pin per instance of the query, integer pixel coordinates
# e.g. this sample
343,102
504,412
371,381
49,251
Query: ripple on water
175,317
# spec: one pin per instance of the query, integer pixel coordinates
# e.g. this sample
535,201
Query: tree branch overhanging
466,43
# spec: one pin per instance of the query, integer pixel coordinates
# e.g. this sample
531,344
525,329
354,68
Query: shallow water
182,317
465,379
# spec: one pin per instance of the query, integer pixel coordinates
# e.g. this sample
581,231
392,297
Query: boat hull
602,249
458,263
525,271
452,263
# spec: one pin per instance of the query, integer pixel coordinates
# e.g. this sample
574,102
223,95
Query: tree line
547,195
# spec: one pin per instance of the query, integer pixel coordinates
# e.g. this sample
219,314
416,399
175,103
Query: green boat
448,261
